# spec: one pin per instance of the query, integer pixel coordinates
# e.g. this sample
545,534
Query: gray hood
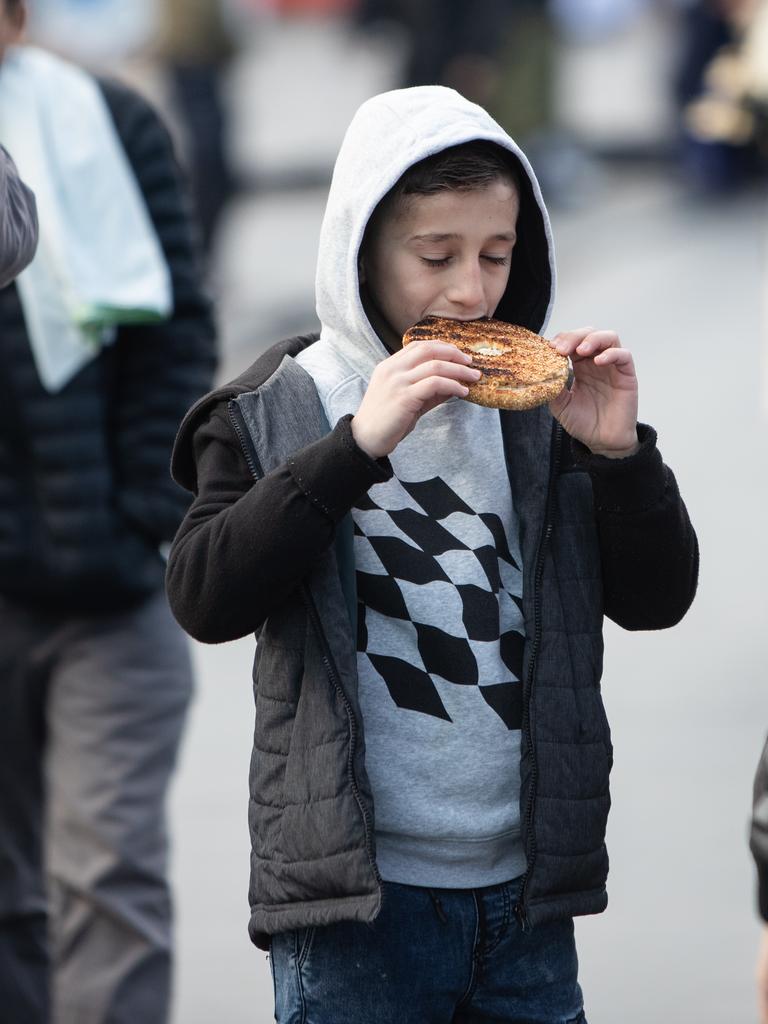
388,134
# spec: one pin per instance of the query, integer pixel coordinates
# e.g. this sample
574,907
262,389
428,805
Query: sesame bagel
520,369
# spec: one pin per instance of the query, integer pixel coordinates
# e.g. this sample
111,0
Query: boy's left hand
600,409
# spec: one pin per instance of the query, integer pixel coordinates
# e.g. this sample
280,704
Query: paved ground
682,281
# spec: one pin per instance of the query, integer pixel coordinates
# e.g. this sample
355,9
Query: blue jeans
444,956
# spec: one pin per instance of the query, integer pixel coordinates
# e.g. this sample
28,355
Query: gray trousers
91,715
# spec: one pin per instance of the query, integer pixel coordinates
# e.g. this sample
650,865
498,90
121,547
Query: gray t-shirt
440,640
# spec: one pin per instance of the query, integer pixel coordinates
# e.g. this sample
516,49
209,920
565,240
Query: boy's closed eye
443,261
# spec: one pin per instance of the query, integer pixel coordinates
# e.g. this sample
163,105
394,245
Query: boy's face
446,254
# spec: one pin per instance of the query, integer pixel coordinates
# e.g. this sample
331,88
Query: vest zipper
521,910
257,472
238,424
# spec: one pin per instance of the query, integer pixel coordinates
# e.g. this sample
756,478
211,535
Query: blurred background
646,123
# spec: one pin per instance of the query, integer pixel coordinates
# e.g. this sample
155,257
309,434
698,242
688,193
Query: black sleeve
159,369
758,839
245,545
18,222
648,548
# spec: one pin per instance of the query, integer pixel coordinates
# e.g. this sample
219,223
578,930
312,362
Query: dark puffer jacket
267,547
85,491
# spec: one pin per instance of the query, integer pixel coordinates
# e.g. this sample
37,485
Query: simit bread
520,369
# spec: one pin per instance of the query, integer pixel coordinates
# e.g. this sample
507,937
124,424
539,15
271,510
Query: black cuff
632,484
334,473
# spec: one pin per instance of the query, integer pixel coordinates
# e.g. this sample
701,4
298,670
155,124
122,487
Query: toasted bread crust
520,369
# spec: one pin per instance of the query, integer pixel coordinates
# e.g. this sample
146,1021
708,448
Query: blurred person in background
450,42
104,341
722,92
196,43
500,54
18,221
453,42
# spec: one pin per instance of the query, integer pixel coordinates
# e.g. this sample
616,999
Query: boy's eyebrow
437,237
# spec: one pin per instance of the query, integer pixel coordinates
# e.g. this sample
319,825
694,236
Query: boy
427,578
18,221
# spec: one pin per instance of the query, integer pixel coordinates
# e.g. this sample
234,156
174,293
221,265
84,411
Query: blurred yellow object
755,54
719,119
735,105
727,74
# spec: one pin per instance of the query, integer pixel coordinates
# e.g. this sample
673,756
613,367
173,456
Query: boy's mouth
460,319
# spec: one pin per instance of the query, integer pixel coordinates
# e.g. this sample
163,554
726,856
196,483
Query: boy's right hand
403,387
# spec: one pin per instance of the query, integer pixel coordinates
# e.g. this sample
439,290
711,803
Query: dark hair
14,7
469,166
466,167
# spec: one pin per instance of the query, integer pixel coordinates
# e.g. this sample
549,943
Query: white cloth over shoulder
99,262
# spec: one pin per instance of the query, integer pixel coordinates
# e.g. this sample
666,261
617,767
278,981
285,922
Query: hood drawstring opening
438,906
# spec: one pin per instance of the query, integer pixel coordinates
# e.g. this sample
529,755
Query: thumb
560,403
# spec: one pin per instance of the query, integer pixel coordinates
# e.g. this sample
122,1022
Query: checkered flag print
439,600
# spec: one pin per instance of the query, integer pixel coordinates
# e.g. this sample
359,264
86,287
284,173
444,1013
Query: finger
440,368
437,389
618,357
597,341
566,342
420,351
559,404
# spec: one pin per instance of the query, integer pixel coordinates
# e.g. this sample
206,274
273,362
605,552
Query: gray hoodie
389,134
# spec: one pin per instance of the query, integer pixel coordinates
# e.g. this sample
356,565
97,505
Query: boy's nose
466,290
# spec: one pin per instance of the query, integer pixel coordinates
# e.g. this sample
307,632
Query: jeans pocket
288,956
304,938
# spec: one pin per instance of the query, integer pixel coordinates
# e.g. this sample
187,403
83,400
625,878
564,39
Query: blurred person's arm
18,222
159,369
758,844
